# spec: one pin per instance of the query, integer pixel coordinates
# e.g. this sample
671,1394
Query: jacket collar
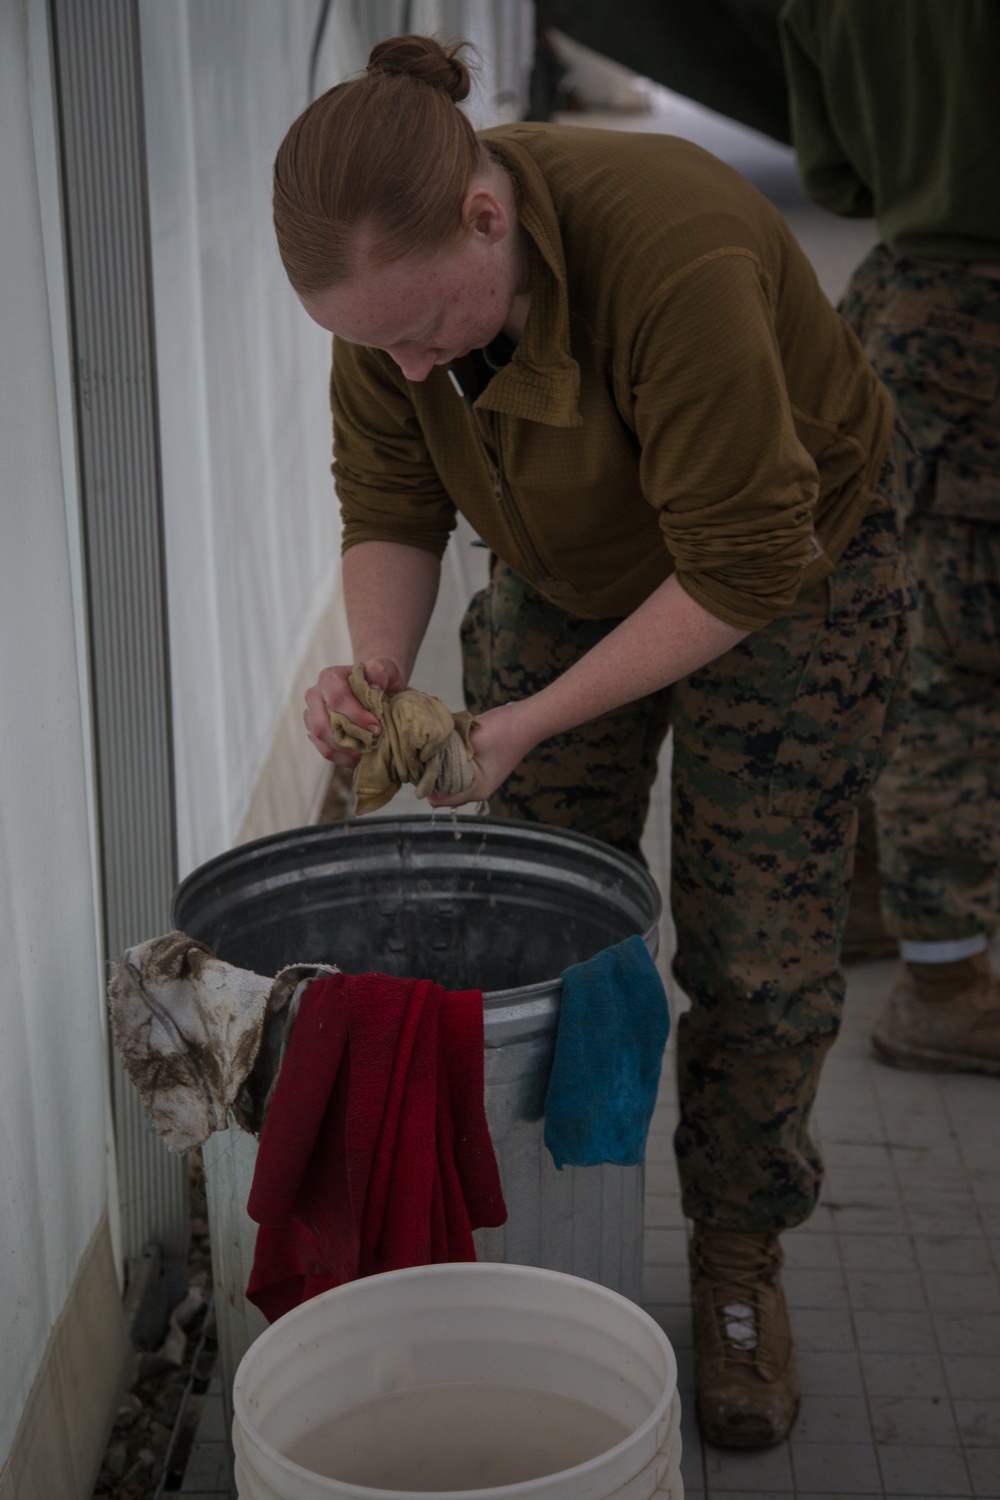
542,381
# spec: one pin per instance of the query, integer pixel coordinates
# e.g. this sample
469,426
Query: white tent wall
250,522
61,1325
251,525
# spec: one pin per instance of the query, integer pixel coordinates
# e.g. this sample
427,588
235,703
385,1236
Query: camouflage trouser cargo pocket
932,332
844,722
958,627
938,802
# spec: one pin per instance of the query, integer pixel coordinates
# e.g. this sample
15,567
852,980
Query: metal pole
102,148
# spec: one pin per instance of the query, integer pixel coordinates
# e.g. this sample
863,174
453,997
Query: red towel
375,1153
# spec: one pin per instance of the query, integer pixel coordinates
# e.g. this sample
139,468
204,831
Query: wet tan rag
421,742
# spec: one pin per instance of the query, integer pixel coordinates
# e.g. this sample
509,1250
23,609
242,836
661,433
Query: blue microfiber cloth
613,1027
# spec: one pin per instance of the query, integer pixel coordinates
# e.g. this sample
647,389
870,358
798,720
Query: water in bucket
468,1377
457,1437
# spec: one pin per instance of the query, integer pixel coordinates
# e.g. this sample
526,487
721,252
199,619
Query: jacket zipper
505,499
502,492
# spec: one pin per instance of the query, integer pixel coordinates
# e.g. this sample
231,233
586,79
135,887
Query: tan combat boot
746,1375
943,1016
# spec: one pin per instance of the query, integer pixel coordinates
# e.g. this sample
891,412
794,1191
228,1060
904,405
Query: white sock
948,952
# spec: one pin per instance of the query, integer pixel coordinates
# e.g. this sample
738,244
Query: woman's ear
484,214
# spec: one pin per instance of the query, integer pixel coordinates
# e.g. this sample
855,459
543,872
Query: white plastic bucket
490,1382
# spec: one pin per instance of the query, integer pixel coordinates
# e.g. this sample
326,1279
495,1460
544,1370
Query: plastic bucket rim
523,1490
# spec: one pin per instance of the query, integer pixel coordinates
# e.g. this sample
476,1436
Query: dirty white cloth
421,742
189,1030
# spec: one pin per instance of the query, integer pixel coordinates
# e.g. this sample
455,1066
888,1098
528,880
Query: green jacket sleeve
388,487
828,176
720,457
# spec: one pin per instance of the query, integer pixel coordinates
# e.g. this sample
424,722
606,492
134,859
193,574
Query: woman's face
430,309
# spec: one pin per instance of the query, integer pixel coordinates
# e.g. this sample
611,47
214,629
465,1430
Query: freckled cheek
473,318
467,327
486,311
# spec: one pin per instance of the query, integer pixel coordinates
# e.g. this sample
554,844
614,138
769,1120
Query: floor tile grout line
991,1249
934,1081
992,1246
701,1441
857,1348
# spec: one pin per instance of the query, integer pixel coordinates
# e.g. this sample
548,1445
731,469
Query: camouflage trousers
932,332
775,744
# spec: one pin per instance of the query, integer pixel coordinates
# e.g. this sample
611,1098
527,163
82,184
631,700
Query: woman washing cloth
609,353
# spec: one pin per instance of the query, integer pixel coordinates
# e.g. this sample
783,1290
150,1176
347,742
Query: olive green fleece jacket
895,116
683,397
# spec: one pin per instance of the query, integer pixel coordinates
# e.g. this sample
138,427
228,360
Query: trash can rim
416,823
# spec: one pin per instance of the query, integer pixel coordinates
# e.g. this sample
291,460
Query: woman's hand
500,742
331,692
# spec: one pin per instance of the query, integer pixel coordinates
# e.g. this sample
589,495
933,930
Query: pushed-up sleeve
828,175
388,487
720,457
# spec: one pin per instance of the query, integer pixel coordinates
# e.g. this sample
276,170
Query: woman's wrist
524,723
542,715
389,593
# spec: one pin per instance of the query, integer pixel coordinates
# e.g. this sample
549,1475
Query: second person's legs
939,810
932,332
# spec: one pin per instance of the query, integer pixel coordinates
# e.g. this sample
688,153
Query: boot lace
739,1279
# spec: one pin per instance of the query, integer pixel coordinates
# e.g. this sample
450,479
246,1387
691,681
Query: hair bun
423,58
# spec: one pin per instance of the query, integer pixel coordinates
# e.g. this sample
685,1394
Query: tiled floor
894,1283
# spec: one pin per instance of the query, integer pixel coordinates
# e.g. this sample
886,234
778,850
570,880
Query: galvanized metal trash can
472,903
